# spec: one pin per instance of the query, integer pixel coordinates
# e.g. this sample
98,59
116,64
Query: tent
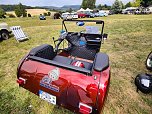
80,10
88,9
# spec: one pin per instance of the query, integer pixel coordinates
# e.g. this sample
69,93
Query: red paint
78,64
81,15
74,87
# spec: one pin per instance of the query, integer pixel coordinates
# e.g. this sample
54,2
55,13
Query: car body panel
73,89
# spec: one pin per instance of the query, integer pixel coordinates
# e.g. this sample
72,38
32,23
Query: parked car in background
102,14
74,15
90,15
4,31
67,16
81,15
96,14
42,17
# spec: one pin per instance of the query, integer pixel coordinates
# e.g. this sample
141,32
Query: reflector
84,109
21,81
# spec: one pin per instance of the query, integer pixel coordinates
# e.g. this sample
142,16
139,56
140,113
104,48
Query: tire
149,62
4,34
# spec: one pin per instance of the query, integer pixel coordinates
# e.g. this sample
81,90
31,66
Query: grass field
130,41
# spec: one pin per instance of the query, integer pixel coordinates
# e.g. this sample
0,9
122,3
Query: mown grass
128,44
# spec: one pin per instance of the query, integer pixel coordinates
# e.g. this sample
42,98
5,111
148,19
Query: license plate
47,97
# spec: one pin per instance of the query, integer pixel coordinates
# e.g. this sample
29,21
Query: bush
45,14
29,15
49,14
2,13
24,14
11,15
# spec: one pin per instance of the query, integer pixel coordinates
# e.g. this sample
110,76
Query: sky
57,3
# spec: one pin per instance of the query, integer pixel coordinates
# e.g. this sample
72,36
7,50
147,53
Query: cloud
55,2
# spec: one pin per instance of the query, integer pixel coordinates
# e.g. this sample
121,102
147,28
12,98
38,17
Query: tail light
21,81
85,109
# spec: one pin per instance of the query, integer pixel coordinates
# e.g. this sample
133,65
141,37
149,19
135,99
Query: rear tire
4,34
149,62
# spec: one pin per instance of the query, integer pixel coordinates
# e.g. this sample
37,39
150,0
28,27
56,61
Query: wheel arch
4,30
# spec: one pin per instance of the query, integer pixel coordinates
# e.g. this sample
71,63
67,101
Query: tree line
115,8
117,5
20,10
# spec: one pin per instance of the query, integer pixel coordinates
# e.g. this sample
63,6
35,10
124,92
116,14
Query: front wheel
149,61
4,35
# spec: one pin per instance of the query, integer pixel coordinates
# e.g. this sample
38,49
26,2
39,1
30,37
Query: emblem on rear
46,81
54,74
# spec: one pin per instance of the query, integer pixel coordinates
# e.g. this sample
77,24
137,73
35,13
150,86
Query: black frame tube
97,21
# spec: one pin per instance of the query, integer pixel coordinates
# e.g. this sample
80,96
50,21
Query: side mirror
80,23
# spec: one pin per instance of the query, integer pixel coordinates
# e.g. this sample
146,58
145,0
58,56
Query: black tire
4,34
149,62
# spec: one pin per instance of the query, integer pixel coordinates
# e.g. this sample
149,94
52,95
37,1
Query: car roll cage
97,22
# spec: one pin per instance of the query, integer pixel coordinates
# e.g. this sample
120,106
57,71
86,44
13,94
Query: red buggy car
76,76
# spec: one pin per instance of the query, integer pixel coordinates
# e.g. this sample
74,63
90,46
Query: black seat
61,59
44,51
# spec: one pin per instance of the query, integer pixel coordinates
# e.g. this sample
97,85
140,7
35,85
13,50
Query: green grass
128,44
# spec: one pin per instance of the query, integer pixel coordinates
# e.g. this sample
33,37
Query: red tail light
84,109
21,81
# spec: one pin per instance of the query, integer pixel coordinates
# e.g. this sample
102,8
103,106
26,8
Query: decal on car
46,81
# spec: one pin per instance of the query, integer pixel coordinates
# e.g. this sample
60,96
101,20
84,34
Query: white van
67,16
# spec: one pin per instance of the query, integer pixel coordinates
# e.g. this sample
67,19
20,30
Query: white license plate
47,97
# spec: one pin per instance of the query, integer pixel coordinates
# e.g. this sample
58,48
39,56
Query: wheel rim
149,62
4,36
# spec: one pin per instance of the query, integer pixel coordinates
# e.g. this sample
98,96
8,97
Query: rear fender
103,88
21,63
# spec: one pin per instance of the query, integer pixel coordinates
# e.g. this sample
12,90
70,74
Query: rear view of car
81,15
42,17
74,15
75,76
102,14
67,16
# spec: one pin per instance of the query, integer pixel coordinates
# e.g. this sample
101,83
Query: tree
49,13
29,15
88,4
128,5
69,10
146,3
117,7
2,13
123,6
104,7
20,10
99,7
136,3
